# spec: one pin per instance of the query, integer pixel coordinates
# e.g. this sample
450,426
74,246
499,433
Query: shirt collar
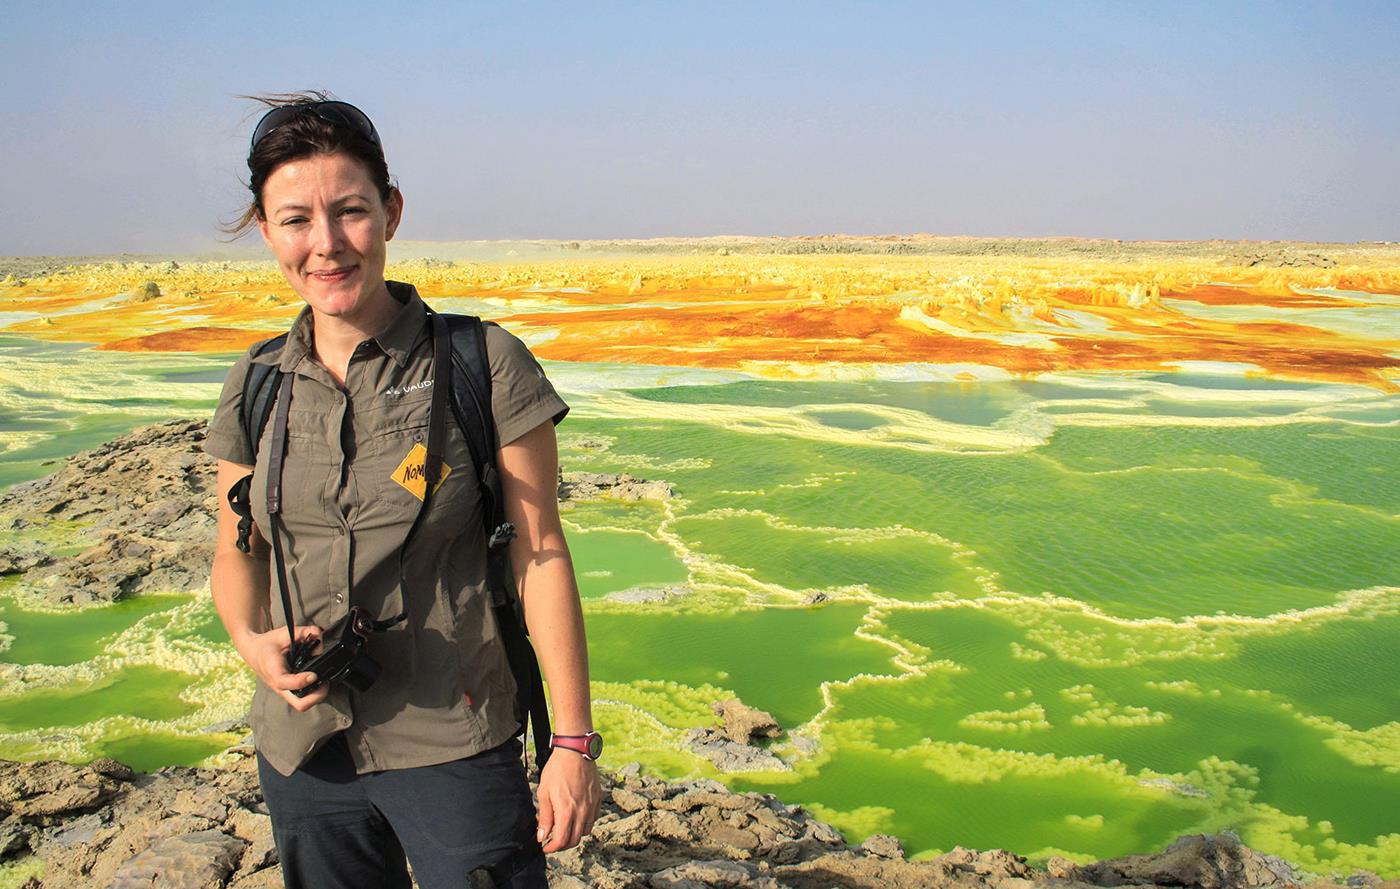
397,340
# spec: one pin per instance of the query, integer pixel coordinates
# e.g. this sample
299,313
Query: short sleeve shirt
445,690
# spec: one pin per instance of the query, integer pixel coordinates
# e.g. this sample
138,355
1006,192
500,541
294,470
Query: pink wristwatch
589,746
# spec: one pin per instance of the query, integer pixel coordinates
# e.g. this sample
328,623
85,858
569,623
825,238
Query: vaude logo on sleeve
397,391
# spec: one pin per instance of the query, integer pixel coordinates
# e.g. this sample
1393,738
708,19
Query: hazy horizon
546,122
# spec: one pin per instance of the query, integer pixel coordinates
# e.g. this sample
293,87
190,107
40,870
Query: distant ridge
519,249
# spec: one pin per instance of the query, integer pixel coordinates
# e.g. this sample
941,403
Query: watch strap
589,746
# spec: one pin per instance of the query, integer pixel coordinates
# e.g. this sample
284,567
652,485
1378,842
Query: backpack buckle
504,533
240,502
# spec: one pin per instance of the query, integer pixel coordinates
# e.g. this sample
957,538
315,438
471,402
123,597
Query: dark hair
303,136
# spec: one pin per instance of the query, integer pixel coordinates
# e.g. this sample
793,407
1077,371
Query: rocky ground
103,825
145,503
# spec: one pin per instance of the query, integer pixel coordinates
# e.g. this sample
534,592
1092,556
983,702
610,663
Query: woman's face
326,225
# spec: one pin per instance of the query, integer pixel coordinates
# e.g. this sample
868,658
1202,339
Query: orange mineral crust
193,339
1224,295
1120,308
209,307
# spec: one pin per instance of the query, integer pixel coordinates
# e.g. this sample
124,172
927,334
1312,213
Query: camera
344,660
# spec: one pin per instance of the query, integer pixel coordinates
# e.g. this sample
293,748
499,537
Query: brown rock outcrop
146,503
743,724
610,486
1210,862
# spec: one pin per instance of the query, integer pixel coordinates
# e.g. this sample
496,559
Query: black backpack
470,398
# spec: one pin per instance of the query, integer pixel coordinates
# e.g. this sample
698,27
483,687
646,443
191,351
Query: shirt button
339,597
342,721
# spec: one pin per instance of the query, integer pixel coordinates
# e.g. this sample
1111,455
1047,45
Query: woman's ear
393,209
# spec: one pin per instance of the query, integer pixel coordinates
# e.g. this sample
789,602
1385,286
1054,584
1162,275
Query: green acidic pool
774,658
144,692
1076,615
148,752
610,561
64,638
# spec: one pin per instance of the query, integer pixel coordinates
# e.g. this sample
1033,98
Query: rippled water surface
1075,615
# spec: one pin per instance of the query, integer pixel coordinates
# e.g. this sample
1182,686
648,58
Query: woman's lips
332,275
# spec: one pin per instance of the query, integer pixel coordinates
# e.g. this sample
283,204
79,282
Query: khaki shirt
446,689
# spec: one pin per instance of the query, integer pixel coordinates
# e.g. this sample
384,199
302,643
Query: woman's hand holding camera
266,654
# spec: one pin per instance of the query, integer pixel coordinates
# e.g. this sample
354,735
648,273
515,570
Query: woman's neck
335,337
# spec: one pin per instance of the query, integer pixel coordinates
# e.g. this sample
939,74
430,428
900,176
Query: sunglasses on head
339,113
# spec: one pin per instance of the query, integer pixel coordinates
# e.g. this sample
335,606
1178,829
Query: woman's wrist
245,642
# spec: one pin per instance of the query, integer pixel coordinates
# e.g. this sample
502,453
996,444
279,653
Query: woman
423,762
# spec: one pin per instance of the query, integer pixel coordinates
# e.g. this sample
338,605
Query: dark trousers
465,823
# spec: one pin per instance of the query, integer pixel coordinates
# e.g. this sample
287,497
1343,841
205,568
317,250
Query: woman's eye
294,220
352,211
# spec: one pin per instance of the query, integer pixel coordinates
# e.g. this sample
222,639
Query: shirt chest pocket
390,476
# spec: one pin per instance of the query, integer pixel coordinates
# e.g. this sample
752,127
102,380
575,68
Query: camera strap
274,496
432,472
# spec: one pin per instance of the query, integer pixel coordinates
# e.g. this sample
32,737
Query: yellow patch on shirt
411,473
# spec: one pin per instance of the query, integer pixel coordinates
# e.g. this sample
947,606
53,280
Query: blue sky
532,120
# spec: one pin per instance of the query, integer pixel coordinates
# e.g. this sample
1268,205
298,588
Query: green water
144,692
1023,641
1298,771
1173,522
974,404
609,561
71,637
1026,812
774,659
800,558
148,752
1139,523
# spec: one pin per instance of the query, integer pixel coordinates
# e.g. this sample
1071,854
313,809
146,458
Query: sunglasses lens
271,121
350,116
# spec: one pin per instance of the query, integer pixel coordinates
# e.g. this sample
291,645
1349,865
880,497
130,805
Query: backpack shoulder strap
260,391
471,402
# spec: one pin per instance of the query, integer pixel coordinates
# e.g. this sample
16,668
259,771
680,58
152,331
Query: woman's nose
326,236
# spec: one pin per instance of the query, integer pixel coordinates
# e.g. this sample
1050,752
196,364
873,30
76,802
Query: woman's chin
334,298
360,308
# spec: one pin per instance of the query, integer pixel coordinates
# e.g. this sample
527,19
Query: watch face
595,745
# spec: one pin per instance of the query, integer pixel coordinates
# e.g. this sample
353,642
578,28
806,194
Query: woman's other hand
569,797
266,654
